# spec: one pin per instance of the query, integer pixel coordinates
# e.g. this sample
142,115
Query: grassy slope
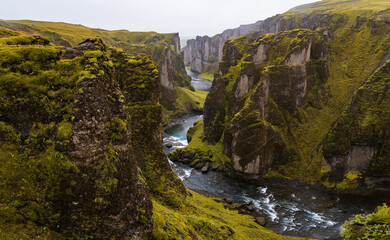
342,5
75,33
205,218
207,75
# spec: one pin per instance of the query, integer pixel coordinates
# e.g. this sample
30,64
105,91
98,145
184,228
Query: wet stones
197,159
260,220
206,167
244,208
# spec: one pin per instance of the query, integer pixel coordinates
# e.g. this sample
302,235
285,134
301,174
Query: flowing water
288,209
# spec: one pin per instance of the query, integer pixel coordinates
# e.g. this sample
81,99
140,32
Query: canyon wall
75,144
277,99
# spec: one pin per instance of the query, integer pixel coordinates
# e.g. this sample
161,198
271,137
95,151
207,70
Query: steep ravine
289,210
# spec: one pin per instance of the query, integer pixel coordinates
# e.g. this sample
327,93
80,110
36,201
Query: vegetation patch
372,226
206,218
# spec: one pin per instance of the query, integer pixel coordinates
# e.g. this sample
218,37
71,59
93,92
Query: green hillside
163,48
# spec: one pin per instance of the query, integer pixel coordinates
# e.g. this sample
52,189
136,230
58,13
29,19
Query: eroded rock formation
258,99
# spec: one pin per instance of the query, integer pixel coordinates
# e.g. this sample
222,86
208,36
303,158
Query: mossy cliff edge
278,106
203,53
163,48
81,155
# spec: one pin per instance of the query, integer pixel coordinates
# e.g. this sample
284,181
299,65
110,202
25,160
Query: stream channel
300,211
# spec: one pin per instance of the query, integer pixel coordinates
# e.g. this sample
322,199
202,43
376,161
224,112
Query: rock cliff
276,98
358,143
203,53
76,129
259,91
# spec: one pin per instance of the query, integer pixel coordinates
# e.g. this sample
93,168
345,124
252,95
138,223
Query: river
289,210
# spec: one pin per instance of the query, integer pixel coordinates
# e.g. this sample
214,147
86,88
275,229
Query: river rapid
288,209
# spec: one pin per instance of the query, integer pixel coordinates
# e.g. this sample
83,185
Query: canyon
295,124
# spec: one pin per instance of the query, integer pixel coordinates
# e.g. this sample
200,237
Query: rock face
85,130
251,136
101,148
359,140
141,88
278,101
202,52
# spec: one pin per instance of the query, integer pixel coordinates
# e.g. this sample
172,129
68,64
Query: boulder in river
199,165
249,207
168,145
260,220
228,200
214,166
206,167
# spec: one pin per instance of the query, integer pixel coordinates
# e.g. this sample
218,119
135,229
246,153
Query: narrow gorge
274,130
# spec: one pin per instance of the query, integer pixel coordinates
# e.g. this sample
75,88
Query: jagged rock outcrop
140,84
109,198
81,129
204,52
251,134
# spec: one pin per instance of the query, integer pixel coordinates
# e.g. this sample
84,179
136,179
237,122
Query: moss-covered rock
372,226
360,137
66,160
140,86
276,97
253,98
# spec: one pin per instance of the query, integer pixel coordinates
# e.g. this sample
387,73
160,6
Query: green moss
7,133
207,75
64,131
350,181
28,197
93,54
190,100
372,226
197,144
26,40
106,182
163,183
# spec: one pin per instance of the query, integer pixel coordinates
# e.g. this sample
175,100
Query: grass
76,33
206,218
207,75
190,100
343,5
197,144
372,226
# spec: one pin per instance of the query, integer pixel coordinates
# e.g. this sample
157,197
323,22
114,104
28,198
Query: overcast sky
189,18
